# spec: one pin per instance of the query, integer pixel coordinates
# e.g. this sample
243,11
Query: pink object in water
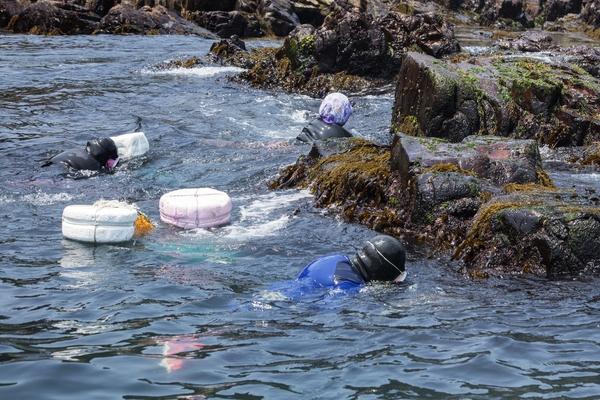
182,344
174,347
195,208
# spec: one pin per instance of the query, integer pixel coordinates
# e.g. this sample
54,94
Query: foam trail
199,72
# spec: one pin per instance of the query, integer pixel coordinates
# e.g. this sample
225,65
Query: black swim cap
102,149
381,259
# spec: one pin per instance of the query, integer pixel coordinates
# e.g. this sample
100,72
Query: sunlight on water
45,199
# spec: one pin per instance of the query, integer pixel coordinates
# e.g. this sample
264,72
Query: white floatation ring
131,145
195,208
102,222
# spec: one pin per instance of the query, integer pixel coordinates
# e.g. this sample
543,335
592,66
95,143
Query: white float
102,222
195,208
131,145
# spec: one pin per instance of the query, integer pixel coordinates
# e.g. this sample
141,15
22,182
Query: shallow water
473,37
188,314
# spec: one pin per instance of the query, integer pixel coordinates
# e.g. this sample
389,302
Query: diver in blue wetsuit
381,259
333,114
99,154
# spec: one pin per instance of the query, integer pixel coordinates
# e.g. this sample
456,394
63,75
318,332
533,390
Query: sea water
188,313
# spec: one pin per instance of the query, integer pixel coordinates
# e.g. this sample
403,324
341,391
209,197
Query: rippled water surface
188,314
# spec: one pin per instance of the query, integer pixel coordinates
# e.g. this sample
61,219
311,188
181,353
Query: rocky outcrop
529,42
246,18
102,7
53,18
351,51
228,23
312,12
123,19
485,201
48,17
591,13
555,9
279,14
541,98
226,18
258,18
9,8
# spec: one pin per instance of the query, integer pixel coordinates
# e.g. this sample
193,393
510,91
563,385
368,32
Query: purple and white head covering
335,109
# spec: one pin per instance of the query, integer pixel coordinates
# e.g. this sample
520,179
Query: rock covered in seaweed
486,201
539,97
352,51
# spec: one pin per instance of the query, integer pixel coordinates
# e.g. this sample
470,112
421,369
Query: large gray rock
279,14
228,23
359,44
47,17
520,97
124,19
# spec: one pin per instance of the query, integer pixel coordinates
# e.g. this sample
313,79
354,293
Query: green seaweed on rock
359,173
482,222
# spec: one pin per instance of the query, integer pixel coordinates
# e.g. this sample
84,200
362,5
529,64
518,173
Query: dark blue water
188,314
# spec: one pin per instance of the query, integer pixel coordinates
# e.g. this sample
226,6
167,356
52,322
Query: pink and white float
195,208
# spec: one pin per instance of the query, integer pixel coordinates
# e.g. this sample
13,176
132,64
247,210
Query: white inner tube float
102,222
131,145
195,208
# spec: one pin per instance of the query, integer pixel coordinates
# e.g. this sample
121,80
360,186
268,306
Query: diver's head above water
335,109
104,150
381,259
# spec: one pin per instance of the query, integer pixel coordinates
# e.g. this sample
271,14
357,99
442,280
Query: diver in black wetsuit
333,114
99,154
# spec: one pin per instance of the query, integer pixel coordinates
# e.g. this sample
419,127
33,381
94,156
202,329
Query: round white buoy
195,208
102,222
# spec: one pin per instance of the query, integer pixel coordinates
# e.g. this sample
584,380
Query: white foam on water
44,199
6,200
260,209
263,99
257,217
199,72
301,116
284,133
271,228
264,216
593,177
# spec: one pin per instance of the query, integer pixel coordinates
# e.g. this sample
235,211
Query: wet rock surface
538,96
258,18
123,19
351,51
486,201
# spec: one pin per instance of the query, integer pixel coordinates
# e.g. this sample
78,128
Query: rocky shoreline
277,18
464,172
